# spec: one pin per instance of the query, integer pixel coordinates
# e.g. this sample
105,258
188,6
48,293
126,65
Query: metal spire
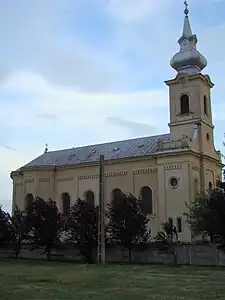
46,148
187,32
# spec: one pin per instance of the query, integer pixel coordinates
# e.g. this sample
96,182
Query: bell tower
190,94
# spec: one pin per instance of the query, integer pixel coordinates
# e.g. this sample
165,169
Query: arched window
66,204
29,202
184,104
146,200
90,197
179,225
116,193
210,186
205,105
170,222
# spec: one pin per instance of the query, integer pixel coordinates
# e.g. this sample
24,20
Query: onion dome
188,60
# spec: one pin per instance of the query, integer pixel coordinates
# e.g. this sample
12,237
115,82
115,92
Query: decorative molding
89,176
29,180
114,174
173,167
151,216
145,170
107,174
64,179
45,179
195,168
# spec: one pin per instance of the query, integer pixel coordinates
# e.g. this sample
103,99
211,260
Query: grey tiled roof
88,154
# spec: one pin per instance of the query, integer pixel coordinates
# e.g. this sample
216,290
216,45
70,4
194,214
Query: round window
174,182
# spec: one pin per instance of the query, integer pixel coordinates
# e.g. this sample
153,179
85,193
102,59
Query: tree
45,224
223,156
128,224
167,239
207,215
196,216
5,236
221,185
19,229
82,227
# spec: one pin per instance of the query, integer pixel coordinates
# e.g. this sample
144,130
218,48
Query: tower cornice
182,77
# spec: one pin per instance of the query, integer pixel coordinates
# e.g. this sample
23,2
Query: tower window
184,104
205,106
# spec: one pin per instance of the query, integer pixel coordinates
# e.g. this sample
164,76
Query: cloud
67,107
132,10
47,116
8,147
136,128
61,58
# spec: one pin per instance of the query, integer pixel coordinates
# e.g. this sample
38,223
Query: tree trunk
17,253
130,255
174,252
48,256
17,248
48,252
87,253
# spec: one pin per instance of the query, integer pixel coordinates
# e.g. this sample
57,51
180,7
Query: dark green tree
223,157
207,215
82,227
197,216
5,234
221,185
127,222
19,229
167,239
45,225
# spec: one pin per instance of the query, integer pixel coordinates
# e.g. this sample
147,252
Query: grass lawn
21,280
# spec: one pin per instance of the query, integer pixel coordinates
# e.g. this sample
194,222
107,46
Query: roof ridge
110,142
113,150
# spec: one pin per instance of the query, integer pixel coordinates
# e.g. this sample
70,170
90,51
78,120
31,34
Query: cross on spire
46,147
186,11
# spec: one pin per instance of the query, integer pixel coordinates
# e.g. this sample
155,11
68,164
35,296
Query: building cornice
153,156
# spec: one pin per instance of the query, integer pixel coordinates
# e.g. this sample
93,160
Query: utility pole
101,214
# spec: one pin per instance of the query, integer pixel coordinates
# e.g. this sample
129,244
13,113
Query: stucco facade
176,169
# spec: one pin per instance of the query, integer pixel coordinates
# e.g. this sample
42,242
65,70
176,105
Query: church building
166,171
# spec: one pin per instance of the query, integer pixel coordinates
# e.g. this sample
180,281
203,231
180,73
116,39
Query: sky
82,72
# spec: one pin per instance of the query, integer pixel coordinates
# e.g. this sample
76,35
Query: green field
21,280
